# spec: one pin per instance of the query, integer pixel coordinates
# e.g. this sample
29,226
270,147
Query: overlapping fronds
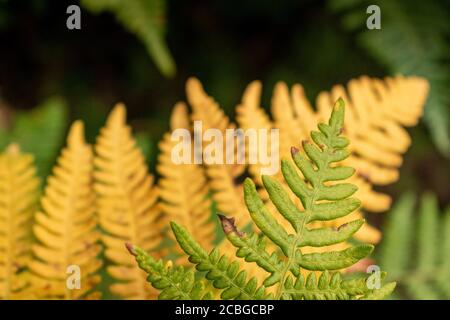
378,111
323,199
415,250
223,178
127,204
66,228
18,200
183,188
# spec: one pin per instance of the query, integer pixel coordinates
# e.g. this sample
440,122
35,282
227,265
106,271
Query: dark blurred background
226,44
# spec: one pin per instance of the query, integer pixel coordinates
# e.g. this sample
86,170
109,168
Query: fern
415,250
146,19
320,202
66,226
174,283
377,111
183,188
126,201
18,199
223,178
413,40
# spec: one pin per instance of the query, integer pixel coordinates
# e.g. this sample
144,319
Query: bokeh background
141,52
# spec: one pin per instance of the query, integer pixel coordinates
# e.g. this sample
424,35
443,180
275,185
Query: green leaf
146,19
412,41
423,273
39,132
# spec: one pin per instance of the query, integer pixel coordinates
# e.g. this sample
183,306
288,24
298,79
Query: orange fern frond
127,204
66,226
376,114
226,191
183,188
18,200
378,110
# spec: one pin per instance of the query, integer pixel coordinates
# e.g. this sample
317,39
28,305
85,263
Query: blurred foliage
226,46
145,18
414,251
413,40
39,132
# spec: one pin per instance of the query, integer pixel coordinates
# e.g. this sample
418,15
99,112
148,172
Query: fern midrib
303,223
185,295
68,218
123,182
232,282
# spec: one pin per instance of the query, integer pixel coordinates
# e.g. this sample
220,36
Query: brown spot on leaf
294,150
228,225
130,249
342,226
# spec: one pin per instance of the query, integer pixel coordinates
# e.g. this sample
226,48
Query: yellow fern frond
377,111
250,115
227,193
18,199
183,187
68,242
127,204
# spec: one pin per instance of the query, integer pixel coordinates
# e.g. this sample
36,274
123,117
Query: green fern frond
412,41
144,18
322,200
173,283
415,251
